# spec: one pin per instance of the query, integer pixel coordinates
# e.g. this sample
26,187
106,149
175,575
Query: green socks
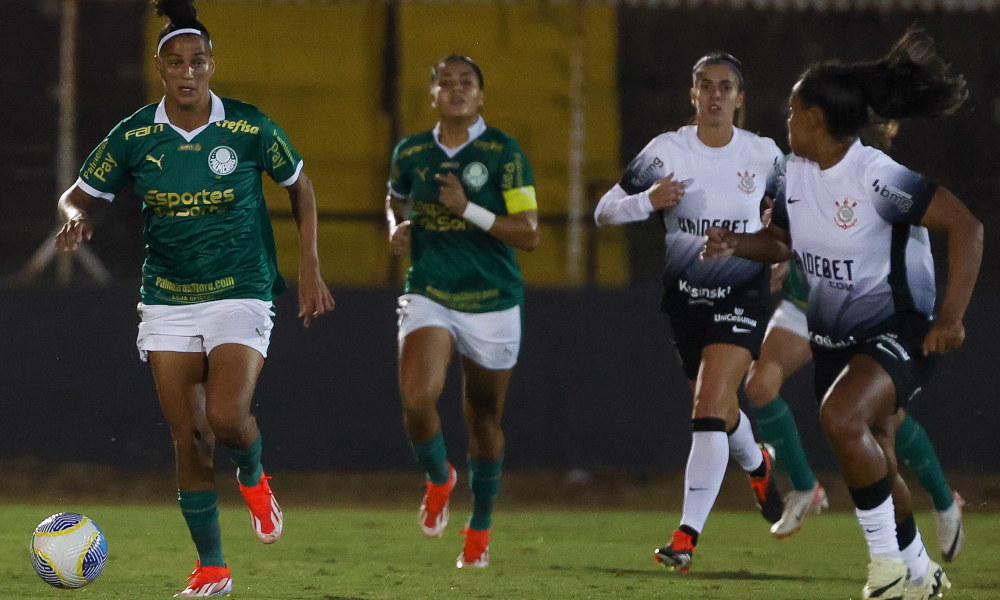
202,516
433,458
776,425
247,463
485,483
914,449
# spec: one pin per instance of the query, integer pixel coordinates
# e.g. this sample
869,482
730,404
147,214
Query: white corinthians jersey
723,188
855,230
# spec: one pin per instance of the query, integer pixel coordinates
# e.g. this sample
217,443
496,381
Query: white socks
879,526
743,447
916,559
706,468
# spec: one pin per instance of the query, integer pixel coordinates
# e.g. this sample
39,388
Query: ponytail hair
183,19
910,81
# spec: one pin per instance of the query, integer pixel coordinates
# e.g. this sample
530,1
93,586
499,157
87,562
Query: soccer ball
68,550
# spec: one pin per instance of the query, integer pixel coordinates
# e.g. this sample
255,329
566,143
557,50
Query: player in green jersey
210,273
785,351
461,199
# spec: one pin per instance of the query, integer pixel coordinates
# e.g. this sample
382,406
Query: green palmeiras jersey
207,230
454,262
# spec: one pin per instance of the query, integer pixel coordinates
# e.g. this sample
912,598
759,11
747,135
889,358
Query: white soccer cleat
798,505
887,578
934,583
950,532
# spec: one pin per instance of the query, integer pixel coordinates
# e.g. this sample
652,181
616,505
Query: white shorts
790,317
491,339
203,326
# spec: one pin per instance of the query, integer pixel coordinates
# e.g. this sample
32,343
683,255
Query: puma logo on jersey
156,161
422,173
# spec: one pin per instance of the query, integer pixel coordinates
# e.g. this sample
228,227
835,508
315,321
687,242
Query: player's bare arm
73,206
520,229
397,214
769,245
948,215
315,299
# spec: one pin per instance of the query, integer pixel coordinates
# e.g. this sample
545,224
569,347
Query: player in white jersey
709,174
858,223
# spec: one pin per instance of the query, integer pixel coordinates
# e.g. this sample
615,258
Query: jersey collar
218,114
475,130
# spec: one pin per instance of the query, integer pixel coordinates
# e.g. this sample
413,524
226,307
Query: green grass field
346,554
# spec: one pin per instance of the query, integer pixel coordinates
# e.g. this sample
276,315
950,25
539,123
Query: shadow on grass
741,575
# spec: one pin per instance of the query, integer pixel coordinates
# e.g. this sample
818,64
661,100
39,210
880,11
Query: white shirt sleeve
617,207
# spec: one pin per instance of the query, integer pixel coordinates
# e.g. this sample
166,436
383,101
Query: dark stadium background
598,385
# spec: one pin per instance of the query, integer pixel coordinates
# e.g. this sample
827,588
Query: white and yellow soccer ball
68,550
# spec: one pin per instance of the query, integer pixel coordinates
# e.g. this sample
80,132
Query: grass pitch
337,554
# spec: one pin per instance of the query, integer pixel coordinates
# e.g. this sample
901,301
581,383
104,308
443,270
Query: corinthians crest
746,185
844,217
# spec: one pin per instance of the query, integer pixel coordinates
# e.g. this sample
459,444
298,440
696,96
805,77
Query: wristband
479,216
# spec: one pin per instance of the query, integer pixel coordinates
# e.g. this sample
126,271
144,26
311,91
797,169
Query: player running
461,199
785,351
210,273
858,223
710,173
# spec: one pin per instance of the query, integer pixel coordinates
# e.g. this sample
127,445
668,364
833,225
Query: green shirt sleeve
399,181
280,160
106,169
517,171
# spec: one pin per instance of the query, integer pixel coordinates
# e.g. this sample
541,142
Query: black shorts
722,315
896,345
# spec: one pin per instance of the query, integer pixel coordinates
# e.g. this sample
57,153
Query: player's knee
841,424
193,441
762,386
419,397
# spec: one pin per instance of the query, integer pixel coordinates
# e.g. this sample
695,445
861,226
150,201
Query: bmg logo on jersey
222,160
901,199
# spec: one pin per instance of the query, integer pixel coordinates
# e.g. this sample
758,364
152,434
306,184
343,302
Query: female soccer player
858,223
710,173
786,350
210,273
461,199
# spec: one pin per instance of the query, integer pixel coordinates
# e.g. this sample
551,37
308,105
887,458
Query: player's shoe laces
265,514
887,578
677,554
476,552
434,507
934,584
766,490
950,532
207,582
798,505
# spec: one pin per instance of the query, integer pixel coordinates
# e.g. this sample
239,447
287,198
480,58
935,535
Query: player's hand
765,217
399,239
666,193
945,335
315,299
73,233
720,242
779,271
452,193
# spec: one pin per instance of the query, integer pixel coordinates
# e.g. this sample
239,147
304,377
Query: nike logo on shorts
740,330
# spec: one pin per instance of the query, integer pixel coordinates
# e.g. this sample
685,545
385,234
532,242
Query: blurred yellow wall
316,69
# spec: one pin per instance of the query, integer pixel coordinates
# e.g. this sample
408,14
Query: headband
183,31
712,60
